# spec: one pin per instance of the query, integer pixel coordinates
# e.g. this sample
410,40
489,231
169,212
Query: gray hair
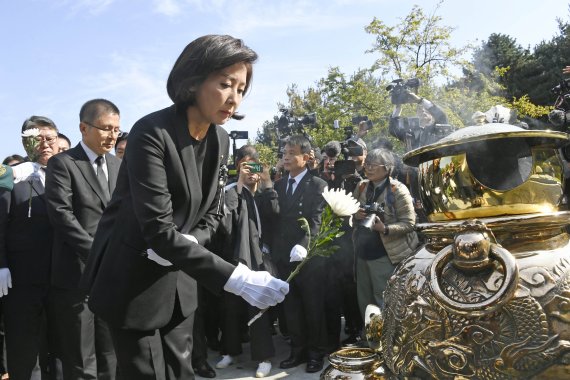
383,157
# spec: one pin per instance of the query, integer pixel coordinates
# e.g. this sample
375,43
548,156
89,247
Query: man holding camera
429,114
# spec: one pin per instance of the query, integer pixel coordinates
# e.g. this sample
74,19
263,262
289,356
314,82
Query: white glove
152,255
5,281
298,253
259,289
22,171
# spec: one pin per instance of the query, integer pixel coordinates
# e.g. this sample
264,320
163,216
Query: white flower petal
32,132
341,203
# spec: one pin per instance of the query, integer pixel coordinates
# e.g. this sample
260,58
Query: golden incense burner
488,295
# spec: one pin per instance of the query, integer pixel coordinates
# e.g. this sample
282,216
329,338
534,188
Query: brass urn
488,295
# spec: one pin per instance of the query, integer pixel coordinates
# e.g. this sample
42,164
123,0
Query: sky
58,54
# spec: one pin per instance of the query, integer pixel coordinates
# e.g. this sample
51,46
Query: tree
499,58
417,47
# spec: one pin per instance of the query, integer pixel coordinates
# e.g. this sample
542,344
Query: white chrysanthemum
341,203
32,132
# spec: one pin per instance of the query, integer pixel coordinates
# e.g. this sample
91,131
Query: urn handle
452,253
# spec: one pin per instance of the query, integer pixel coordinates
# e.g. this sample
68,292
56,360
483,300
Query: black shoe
205,370
292,361
314,366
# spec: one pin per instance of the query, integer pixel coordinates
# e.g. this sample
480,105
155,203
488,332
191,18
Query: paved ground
245,368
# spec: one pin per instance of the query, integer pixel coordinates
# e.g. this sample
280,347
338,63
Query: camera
400,88
256,167
288,124
238,135
350,146
343,168
372,210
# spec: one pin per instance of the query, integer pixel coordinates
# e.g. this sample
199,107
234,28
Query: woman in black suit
149,250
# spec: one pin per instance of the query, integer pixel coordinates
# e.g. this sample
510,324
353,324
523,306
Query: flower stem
291,276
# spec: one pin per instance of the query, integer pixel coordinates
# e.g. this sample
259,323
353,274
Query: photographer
315,158
384,234
429,126
357,158
331,151
429,116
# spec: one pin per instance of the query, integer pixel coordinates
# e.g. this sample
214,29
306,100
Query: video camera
400,89
345,175
287,124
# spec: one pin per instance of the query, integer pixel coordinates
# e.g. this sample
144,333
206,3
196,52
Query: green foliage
499,58
321,244
525,107
419,46
501,72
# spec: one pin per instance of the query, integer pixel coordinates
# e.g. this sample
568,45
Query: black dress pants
235,314
163,354
304,308
25,309
85,344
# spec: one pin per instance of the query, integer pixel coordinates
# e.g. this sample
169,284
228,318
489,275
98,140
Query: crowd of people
130,265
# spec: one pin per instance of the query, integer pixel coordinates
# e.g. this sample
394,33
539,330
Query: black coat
75,203
285,230
158,197
25,241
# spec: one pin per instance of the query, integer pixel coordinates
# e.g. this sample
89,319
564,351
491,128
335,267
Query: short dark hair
64,137
246,150
202,57
94,108
13,157
122,137
332,148
300,141
38,121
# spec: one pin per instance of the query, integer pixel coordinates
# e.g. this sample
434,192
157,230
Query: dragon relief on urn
488,295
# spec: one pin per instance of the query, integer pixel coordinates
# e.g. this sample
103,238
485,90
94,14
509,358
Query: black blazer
25,242
158,196
307,201
75,203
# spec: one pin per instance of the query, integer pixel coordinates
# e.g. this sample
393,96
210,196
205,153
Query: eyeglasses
50,140
372,166
112,130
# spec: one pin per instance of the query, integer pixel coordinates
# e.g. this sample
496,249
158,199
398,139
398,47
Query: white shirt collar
90,154
299,176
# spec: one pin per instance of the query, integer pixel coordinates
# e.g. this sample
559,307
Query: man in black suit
299,195
79,183
25,253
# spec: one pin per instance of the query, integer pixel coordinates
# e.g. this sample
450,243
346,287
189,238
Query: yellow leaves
525,107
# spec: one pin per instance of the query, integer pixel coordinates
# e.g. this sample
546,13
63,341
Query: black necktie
102,178
290,188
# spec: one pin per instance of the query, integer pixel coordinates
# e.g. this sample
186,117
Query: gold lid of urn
490,170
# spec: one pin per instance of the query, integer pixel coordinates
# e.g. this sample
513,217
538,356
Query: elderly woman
384,237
